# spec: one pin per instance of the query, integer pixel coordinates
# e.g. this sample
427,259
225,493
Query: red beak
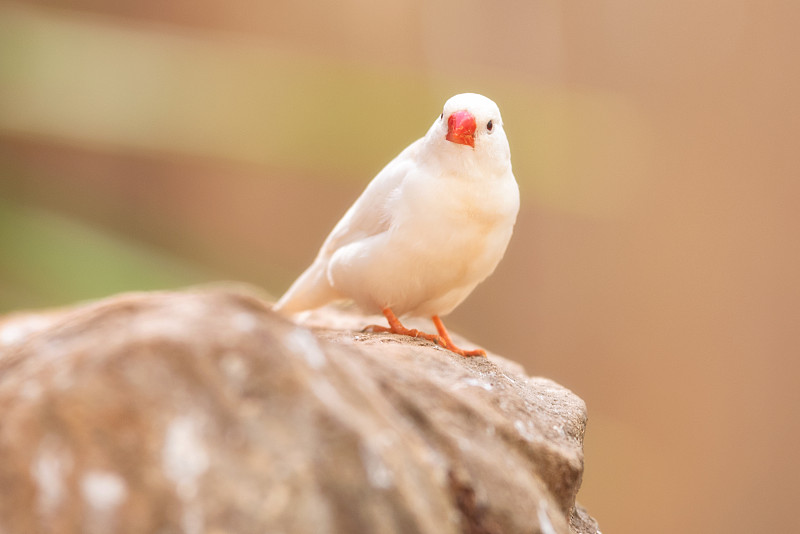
461,128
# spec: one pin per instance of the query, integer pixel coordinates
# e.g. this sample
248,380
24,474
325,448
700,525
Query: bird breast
446,236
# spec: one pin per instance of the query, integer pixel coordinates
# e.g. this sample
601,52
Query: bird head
470,129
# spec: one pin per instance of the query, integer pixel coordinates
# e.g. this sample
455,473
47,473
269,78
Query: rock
204,411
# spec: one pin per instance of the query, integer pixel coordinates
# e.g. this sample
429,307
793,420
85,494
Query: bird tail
311,290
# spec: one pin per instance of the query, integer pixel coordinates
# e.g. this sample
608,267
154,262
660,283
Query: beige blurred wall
654,265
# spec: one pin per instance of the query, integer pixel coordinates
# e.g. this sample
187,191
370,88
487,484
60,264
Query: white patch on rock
17,330
378,474
51,465
63,378
192,519
244,322
184,457
545,525
30,390
472,382
103,490
234,367
303,342
465,444
523,430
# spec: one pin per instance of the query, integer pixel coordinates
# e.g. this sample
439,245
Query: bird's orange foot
448,343
396,327
465,353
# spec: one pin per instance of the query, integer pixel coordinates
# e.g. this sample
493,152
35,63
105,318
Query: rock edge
205,411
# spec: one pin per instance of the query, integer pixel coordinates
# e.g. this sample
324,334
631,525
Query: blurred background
654,267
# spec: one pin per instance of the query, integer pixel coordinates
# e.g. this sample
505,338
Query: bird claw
397,328
468,353
447,342
443,339
377,329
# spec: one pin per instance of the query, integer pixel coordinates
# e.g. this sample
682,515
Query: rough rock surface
204,411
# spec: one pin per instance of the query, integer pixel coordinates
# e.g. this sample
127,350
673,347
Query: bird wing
367,216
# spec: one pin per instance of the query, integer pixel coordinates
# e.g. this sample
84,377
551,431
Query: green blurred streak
88,80
93,81
48,260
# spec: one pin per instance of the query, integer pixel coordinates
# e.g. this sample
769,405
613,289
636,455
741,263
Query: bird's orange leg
448,343
396,327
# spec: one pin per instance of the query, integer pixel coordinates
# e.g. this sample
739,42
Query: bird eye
489,126
441,116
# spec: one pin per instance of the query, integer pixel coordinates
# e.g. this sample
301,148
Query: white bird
431,226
